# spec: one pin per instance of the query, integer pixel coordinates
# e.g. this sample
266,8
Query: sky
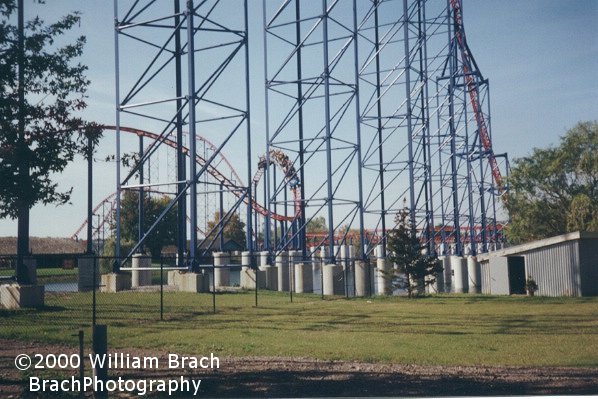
540,56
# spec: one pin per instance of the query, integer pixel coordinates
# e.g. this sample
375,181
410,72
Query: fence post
161,288
100,349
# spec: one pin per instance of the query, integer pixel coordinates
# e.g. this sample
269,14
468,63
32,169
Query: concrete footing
282,268
16,296
115,282
173,278
383,277
248,278
474,273
140,278
221,274
333,281
460,280
362,282
194,282
263,258
270,277
303,278
440,285
188,282
447,273
316,263
85,274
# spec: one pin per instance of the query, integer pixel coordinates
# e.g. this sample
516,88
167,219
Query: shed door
516,275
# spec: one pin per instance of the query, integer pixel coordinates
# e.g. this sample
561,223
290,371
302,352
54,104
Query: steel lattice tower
370,106
422,133
312,112
175,66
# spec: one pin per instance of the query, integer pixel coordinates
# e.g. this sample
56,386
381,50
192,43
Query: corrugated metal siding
588,253
556,269
499,276
485,266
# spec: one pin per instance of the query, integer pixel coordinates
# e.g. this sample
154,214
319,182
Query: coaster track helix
276,157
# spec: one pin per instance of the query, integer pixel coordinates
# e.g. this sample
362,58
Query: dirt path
292,377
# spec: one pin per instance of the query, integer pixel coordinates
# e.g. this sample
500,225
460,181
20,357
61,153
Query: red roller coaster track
237,189
472,89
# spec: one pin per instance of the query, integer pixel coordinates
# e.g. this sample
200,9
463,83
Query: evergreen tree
414,269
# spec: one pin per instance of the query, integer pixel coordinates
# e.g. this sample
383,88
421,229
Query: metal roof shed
565,265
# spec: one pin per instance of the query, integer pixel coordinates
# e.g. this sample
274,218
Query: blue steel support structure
423,116
310,57
152,43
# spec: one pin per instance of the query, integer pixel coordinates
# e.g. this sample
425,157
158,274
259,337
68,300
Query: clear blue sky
541,57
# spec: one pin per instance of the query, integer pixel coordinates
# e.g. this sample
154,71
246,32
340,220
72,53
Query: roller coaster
276,158
369,107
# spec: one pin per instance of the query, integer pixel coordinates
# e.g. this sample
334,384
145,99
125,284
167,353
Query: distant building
565,265
47,251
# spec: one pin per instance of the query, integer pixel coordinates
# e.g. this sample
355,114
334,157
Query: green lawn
442,330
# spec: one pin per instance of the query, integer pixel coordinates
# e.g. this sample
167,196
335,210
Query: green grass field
441,330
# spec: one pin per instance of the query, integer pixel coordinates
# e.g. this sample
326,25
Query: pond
61,287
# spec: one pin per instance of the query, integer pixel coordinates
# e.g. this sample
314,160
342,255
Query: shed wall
556,269
499,276
485,266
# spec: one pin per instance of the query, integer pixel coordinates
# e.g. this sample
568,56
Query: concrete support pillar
85,266
324,255
264,258
362,285
439,284
447,273
316,263
460,280
383,276
31,265
193,282
295,257
15,296
453,249
303,278
479,248
114,282
173,278
140,278
269,276
282,269
247,275
467,249
221,274
431,288
246,258
333,282
342,256
474,272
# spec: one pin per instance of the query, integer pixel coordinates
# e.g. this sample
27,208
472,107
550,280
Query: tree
555,190
414,268
42,89
317,225
234,228
164,233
